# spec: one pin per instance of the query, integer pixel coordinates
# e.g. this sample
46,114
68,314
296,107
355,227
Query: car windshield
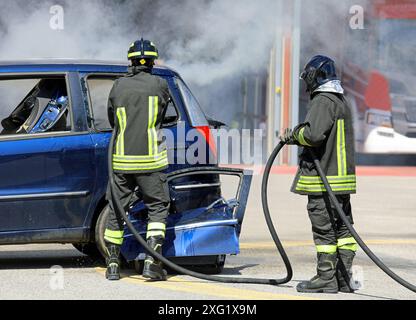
396,45
196,115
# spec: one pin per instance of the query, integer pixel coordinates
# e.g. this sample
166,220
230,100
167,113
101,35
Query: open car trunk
200,228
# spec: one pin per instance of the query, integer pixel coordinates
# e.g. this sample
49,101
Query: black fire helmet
141,52
318,71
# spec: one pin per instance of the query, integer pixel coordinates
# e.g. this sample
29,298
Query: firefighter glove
288,137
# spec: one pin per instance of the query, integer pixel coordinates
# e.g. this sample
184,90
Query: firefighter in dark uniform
136,107
328,129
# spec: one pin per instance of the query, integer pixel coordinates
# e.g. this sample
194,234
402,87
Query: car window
194,110
99,91
31,106
171,116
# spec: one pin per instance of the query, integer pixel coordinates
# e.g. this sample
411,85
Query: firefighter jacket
329,130
137,105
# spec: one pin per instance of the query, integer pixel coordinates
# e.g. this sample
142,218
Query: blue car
54,137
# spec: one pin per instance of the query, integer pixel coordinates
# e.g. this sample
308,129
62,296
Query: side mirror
216,124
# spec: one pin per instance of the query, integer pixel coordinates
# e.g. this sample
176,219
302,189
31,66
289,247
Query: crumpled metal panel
207,231
193,233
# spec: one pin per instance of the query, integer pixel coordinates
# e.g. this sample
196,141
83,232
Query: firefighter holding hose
136,107
328,129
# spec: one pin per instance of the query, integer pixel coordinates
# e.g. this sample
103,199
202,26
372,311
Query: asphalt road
384,213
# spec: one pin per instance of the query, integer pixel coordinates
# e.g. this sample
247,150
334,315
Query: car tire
216,268
100,227
138,266
89,249
213,268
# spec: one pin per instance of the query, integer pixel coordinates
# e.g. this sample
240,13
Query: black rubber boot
325,281
153,269
344,274
113,262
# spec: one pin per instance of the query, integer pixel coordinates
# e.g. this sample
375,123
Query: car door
22,177
46,179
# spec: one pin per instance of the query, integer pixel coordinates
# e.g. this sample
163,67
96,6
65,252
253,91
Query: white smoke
205,40
231,37
212,43
90,30
326,29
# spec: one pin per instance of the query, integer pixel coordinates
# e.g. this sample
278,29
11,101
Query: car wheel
216,268
100,229
97,248
89,249
138,266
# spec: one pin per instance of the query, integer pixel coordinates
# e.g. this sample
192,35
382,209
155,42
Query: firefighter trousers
154,190
329,231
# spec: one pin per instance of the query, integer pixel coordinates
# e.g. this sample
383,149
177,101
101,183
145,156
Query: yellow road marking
219,291
271,245
291,244
179,284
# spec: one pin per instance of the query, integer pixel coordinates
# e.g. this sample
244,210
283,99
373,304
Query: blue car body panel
52,186
210,230
191,233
